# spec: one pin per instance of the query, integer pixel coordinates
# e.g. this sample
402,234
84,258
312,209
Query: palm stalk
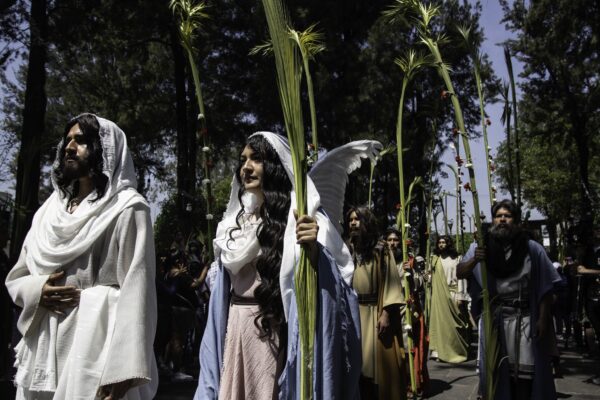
513,90
410,65
191,15
289,76
428,233
425,13
476,58
309,44
506,116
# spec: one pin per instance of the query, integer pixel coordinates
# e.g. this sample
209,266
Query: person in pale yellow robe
379,290
448,324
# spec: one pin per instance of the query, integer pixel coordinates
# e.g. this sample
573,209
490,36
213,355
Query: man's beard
504,233
75,170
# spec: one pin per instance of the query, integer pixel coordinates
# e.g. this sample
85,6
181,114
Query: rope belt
243,301
369,298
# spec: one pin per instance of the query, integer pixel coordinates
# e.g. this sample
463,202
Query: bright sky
495,34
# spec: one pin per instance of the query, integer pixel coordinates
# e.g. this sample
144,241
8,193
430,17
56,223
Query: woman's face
251,171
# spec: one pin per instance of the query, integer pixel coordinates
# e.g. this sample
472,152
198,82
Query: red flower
455,131
492,167
204,132
445,94
467,186
459,160
311,146
398,206
409,242
209,164
488,122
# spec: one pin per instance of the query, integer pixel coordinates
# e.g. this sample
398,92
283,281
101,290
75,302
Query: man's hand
115,391
383,323
57,298
406,266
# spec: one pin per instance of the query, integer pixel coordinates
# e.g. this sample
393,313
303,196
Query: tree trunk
29,159
182,131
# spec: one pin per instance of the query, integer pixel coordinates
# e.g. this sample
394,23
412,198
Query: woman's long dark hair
276,187
90,128
365,244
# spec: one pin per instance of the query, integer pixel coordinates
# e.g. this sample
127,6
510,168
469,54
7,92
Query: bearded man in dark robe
520,283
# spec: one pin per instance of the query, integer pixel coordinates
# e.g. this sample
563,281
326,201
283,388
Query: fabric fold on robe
337,339
447,328
384,361
542,278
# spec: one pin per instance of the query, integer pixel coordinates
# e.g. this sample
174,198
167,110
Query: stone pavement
458,381
448,381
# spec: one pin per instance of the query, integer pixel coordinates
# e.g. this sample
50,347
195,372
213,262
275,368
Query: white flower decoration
206,149
209,217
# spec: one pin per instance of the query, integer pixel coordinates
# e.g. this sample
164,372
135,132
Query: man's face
252,170
393,241
353,222
503,218
442,244
503,226
76,159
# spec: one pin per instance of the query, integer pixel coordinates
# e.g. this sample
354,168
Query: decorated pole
485,121
289,77
410,65
191,15
513,90
422,15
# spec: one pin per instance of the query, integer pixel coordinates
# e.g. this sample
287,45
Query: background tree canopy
122,60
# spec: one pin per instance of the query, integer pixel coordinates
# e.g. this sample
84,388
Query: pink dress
250,363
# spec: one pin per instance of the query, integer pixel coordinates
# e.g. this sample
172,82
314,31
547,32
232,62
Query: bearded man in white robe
85,276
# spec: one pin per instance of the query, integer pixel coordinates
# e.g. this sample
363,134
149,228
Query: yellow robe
383,355
447,327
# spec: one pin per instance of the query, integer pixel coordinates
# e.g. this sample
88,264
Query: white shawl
328,236
57,237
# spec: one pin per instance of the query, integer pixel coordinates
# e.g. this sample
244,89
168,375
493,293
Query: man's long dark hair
366,241
276,187
90,128
450,249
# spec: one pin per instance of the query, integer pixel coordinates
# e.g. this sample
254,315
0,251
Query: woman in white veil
250,348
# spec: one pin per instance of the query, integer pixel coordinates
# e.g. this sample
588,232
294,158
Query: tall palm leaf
289,76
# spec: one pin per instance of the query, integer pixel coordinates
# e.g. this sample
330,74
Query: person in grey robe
520,283
85,276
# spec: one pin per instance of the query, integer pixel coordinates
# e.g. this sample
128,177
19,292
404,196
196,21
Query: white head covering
57,237
328,236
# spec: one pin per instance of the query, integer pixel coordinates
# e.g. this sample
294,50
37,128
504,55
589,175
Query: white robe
106,249
122,260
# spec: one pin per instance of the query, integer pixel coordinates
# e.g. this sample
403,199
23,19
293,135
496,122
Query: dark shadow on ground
437,386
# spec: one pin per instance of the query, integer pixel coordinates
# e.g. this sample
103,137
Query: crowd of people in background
388,307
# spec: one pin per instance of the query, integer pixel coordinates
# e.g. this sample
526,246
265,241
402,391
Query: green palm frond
400,11
412,62
426,13
310,41
263,49
191,15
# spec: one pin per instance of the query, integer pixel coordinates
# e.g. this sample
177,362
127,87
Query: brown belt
243,301
369,298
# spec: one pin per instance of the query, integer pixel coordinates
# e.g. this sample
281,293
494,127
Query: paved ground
448,381
459,382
